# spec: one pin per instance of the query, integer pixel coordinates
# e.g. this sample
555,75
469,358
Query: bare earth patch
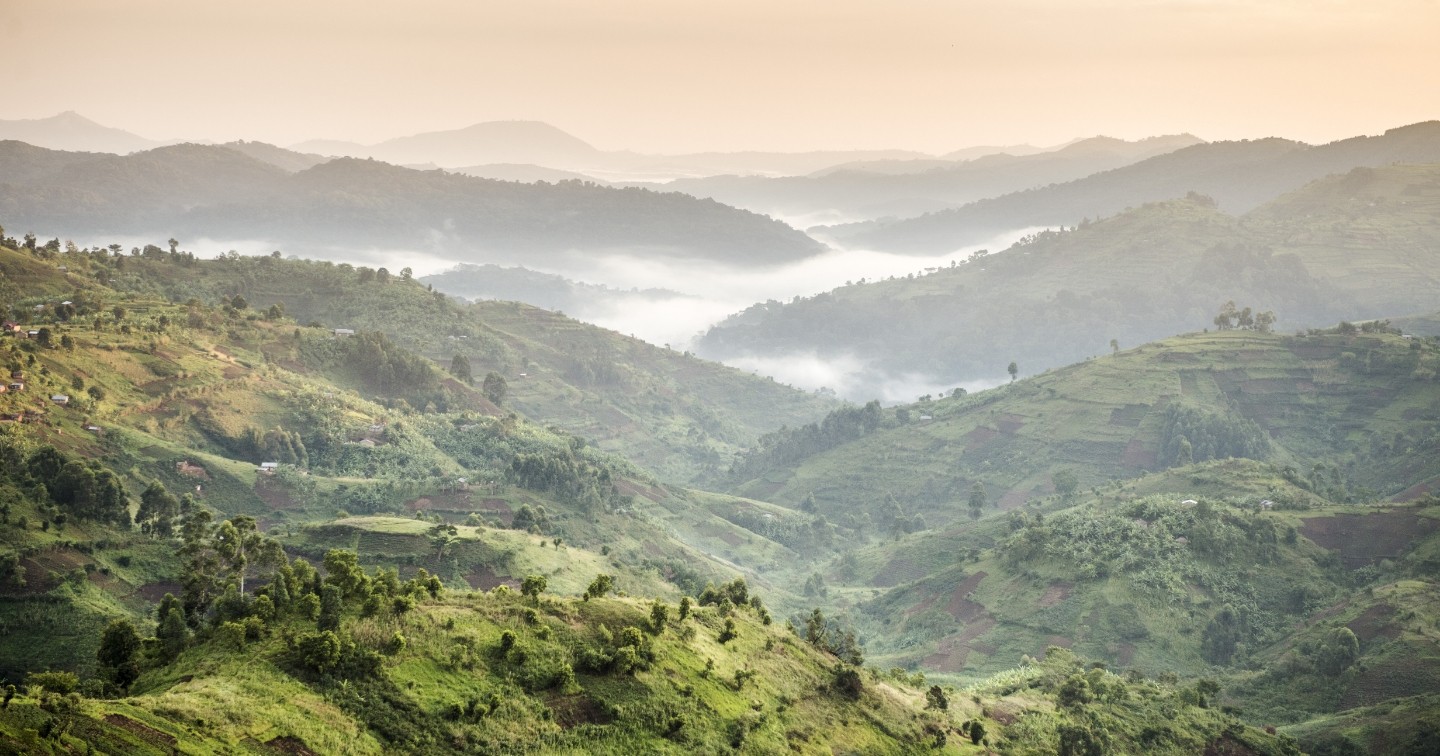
1364,539
1054,594
143,731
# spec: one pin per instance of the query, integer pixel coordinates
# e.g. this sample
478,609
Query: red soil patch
898,570
191,470
143,731
1137,457
632,488
1013,498
1228,746
274,494
1368,538
1375,623
233,372
573,711
153,592
1056,593
1009,424
290,745
483,578
961,607
979,437
1418,490
457,501
952,652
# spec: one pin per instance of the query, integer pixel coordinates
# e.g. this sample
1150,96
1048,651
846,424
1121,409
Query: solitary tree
978,498
118,646
1014,370
533,586
494,387
460,368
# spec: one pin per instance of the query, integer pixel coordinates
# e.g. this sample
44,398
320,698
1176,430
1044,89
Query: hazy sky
683,75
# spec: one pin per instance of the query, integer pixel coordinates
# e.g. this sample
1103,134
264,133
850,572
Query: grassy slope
1104,419
676,415
1356,246
220,698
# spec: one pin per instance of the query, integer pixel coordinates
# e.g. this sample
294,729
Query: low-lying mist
707,292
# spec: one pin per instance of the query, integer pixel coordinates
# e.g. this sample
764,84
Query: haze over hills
874,189
1239,176
219,192
1361,245
855,527
74,132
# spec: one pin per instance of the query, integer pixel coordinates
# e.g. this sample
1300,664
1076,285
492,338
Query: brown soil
1375,623
290,745
1056,593
1418,490
274,494
952,652
483,579
1228,746
897,571
1137,457
450,501
640,489
153,592
1010,424
1364,539
962,608
979,437
1125,655
1056,640
143,731
573,711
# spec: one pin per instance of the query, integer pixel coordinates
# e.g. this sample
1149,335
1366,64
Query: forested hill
1239,176
679,416
222,193
1361,245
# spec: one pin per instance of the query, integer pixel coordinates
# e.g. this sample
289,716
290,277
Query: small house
3,388
1267,504
1182,540
343,333
33,333
60,399
12,327
368,443
268,468
17,385
1189,503
17,374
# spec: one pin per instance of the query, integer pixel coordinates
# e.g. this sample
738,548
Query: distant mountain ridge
1239,176
1355,246
221,192
875,189
71,131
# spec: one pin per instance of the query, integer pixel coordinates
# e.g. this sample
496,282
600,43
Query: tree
1114,345
1066,482
174,244
1013,370
158,507
494,387
118,646
978,497
533,586
601,585
935,698
442,537
460,368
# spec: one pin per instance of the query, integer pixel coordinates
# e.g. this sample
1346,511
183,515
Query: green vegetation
1359,245
254,530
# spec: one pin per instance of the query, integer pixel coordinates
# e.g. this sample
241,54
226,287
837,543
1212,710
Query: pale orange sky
682,75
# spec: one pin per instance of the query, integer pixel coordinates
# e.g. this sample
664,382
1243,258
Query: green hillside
672,413
224,192
1362,406
1357,246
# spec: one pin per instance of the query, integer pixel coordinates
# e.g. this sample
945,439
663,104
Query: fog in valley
825,376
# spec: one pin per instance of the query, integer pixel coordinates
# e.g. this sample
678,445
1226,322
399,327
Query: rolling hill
1356,246
223,193
1239,176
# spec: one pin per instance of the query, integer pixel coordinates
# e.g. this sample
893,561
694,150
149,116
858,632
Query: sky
673,76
